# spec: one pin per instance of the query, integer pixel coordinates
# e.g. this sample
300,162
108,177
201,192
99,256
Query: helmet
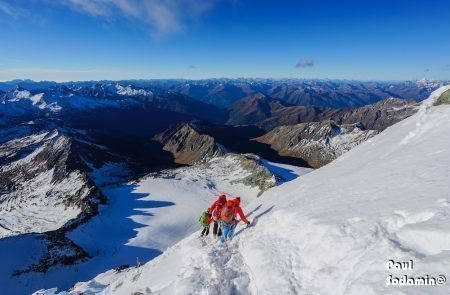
222,199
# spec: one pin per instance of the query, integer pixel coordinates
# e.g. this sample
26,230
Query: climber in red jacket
215,209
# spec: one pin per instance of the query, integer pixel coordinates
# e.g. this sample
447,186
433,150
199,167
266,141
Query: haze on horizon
73,40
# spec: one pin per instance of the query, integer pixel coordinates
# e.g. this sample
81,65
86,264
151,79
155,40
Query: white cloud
305,63
163,17
11,10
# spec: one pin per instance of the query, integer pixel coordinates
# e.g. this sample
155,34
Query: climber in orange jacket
238,210
228,220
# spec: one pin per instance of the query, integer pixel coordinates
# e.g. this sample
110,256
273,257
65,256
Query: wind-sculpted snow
332,231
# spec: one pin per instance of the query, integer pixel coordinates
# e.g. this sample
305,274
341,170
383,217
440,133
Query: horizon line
18,80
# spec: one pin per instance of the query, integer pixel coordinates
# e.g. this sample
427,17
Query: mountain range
224,93
268,113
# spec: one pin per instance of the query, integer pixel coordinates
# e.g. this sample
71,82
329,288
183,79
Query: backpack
228,213
204,219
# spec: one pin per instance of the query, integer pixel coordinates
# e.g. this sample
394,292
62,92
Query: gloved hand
248,222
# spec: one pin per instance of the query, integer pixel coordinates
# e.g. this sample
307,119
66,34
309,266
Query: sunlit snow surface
139,222
329,232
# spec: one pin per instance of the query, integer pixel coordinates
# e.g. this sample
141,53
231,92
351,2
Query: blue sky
121,39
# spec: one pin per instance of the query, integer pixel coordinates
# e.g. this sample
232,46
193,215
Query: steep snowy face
317,143
42,183
332,231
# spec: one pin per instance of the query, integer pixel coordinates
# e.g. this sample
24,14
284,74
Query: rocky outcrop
230,173
258,175
187,145
444,98
317,143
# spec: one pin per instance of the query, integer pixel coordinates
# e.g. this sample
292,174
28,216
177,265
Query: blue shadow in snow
255,219
264,213
105,237
283,173
254,210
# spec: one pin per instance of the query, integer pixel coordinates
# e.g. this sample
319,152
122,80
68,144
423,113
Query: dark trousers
205,231
217,231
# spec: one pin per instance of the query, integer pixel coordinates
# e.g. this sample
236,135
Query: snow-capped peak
17,93
130,91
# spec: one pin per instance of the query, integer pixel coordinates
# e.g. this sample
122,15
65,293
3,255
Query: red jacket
215,209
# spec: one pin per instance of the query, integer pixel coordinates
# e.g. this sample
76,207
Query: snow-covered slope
141,219
41,187
329,232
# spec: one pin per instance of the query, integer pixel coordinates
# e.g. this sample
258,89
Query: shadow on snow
255,219
284,173
106,237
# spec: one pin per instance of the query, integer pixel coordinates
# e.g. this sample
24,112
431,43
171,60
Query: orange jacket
238,210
